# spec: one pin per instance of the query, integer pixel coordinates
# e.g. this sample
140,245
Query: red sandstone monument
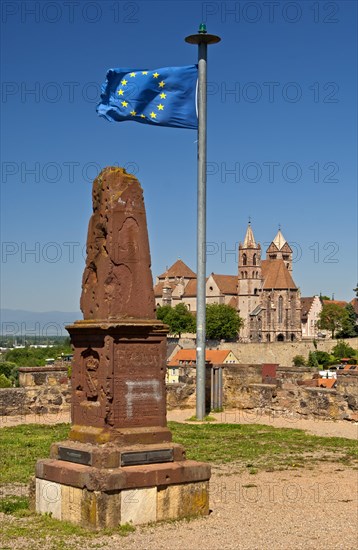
119,464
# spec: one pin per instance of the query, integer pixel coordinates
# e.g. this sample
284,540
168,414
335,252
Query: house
311,307
187,358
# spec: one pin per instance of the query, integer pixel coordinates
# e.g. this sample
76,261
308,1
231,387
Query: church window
244,259
211,288
273,256
255,291
254,260
280,309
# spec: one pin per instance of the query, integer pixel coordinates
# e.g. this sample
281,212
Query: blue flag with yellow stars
163,97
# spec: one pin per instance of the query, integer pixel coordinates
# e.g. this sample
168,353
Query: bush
299,361
5,382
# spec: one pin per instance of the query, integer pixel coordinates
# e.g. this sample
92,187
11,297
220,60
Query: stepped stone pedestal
119,464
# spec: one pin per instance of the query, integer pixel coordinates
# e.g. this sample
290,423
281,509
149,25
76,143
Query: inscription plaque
147,457
74,455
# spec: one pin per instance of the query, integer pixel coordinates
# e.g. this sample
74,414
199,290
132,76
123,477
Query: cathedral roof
227,283
158,289
279,240
276,275
249,241
190,289
178,269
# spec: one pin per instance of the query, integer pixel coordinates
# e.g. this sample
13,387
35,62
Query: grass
206,418
23,445
249,446
260,447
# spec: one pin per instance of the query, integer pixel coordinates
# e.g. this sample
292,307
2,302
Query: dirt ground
310,508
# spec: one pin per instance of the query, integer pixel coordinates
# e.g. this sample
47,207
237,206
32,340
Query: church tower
249,279
279,249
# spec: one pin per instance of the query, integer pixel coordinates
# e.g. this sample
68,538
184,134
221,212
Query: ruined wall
43,390
243,390
35,400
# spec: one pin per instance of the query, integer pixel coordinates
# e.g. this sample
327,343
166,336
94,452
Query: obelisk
119,464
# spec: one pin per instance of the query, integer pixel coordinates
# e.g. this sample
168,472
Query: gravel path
312,509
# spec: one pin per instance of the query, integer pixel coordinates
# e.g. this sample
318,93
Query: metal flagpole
202,39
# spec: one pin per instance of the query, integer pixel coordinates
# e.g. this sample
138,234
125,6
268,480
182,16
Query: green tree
312,360
323,358
299,361
324,297
10,371
34,357
332,317
349,326
222,322
178,318
342,349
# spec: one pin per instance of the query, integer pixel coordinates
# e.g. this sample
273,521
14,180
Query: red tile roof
328,383
341,303
190,289
227,283
215,356
178,269
158,289
276,275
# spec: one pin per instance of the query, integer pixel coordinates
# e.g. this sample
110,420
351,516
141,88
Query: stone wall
43,390
243,389
275,352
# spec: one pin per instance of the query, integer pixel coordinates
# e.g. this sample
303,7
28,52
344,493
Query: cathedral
263,292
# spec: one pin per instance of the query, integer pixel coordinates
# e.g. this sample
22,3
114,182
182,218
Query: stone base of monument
136,484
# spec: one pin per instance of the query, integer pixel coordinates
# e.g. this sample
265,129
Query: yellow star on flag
120,92
155,75
124,82
133,113
160,107
124,103
153,115
161,84
132,74
144,72
142,116
163,95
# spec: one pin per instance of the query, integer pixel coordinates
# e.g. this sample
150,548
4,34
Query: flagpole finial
202,28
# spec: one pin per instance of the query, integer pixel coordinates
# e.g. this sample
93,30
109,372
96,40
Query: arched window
244,259
254,259
280,309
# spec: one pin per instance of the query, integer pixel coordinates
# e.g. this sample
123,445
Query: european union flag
164,97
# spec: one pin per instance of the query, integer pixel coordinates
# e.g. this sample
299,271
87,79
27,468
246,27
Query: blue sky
282,138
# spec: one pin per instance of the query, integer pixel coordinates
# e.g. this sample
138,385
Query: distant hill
45,323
